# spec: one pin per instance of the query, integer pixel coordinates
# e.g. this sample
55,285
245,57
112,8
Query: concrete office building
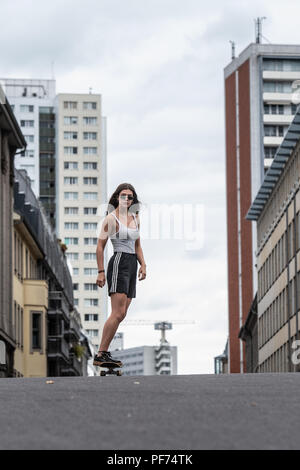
145,360
80,189
259,106
148,360
276,209
11,140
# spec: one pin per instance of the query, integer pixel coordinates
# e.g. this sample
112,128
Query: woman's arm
140,255
102,240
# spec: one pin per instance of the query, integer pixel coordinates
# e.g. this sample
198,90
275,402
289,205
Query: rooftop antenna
232,49
258,24
163,326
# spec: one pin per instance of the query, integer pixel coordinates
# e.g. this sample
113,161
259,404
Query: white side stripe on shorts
115,272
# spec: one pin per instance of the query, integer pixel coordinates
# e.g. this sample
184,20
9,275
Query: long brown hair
113,201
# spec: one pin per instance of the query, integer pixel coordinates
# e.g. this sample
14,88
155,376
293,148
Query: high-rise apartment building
80,189
65,159
260,103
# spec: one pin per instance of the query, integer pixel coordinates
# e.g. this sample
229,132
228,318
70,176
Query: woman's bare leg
119,306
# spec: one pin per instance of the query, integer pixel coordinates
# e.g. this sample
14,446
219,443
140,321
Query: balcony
273,140
278,119
48,192
163,360
164,369
47,147
281,75
165,349
46,161
73,332
58,347
36,293
58,305
73,368
277,98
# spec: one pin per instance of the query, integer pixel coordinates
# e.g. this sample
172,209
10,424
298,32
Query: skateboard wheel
119,372
102,372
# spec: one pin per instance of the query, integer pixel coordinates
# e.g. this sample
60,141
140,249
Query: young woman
122,226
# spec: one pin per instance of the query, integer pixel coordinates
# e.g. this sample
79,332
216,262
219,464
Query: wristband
101,271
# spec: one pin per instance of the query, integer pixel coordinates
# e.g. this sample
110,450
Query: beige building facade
30,302
11,139
276,209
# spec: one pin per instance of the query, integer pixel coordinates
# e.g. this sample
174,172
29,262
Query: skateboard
111,370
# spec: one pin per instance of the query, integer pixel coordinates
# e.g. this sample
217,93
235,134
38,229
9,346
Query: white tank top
124,239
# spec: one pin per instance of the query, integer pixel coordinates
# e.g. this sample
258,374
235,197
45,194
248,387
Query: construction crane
145,321
158,325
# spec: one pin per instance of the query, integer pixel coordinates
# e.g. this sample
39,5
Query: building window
29,138
91,302
288,65
70,135
17,309
275,131
89,105
90,271
70,104
90,150
70,180
71,195
90,121
90,286
92,333
36,330
71,241
90,180
90,165
91,257
71,165
70,120
90,210
273,108
90,241
72,256
27,153
270,152
22,329
90,317
277,87
26,108
90,225
70,150
71,210
90,136
90,196
71,225
26,123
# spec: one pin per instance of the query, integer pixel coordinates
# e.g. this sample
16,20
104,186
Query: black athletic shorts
122,273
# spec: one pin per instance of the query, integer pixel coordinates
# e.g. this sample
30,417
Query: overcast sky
158,65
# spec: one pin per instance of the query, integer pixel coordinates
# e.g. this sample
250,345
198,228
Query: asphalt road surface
237,411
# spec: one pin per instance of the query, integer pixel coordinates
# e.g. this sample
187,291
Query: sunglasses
124,196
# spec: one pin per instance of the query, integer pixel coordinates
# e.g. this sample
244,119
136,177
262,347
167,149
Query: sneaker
104,359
